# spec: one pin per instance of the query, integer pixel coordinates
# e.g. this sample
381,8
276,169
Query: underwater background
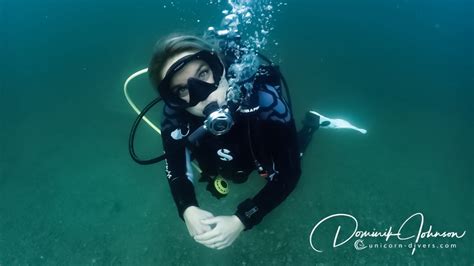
71,195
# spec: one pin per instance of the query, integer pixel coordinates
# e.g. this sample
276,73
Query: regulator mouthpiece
219,119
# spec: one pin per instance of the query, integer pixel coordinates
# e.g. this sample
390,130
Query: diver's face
197,69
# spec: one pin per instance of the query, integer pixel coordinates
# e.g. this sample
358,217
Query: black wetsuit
265,134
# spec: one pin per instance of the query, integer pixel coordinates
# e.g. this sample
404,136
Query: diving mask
198,89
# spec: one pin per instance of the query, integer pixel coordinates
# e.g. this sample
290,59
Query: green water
71,195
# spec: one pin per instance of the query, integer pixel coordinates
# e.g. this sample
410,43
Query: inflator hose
131,148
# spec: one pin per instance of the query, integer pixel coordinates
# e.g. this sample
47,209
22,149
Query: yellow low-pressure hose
134,107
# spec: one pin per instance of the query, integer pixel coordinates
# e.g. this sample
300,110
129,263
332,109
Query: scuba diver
228,139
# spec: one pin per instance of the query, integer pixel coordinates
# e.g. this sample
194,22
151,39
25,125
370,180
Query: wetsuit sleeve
177,162
280,143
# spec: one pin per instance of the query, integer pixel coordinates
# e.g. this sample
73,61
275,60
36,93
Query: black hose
131,138
197,135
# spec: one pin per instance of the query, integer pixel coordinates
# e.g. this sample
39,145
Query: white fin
336,123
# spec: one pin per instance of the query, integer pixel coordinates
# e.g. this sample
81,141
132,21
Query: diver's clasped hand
224,232
192,217
216,232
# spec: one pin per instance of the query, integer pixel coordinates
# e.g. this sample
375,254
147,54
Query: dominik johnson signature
401,234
